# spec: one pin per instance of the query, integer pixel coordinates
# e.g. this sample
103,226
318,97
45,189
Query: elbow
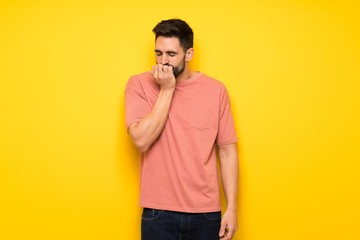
139,141
142,141
142,146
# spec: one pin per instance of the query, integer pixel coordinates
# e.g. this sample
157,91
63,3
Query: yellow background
68,170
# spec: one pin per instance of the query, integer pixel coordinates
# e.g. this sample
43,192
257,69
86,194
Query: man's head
174,44
176,28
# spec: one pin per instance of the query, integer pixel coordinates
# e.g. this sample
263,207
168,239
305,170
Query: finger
171,69
229,233
222,231
158,68
163,68
155,72
166,68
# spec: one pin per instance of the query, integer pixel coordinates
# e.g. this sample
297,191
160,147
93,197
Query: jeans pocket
213,216
150,214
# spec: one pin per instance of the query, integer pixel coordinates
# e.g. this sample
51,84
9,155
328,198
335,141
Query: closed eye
171,53
158,53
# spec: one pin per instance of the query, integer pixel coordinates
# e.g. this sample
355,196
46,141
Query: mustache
167,64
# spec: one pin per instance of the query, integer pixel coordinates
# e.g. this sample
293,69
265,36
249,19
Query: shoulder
212,82
216,87
141,79
208,79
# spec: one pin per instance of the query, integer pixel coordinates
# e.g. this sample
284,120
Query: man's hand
164,76
228,225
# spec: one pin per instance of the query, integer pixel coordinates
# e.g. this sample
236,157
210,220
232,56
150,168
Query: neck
185,75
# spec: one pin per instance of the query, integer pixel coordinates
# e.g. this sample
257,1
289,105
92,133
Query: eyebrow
168,52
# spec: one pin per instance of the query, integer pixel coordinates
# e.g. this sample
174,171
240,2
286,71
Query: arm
229,175
146,131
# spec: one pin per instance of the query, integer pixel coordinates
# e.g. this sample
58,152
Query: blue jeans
169,225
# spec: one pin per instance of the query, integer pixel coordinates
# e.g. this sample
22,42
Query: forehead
167,43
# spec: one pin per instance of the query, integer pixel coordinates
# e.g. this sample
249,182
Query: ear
189,54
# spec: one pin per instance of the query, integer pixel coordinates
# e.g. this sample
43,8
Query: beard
179,69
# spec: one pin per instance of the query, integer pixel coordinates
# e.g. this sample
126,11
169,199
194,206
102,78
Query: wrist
168,89
231,208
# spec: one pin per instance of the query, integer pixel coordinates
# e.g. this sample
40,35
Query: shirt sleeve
136,104
226,133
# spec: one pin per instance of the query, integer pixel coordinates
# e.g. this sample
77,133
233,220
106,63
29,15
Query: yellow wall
68,169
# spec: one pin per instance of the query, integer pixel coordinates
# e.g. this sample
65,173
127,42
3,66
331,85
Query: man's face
169,52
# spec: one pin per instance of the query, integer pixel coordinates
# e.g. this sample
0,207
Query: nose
164,59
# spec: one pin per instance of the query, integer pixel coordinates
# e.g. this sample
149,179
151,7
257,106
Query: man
176,117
